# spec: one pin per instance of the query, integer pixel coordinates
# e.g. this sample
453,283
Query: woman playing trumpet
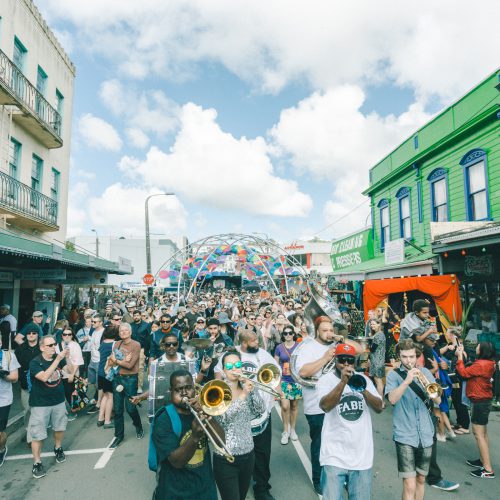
233,479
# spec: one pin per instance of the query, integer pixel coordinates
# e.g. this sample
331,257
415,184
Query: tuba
320,304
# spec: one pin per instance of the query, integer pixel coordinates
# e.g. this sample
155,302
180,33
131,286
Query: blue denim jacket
411,421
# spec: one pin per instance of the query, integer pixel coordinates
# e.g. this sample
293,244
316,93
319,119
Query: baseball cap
200,318
131,304
213,321
345,349
37,314
433,336
5,306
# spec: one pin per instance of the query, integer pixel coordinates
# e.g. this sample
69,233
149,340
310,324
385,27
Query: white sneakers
440,437
284,438
450,434
289,435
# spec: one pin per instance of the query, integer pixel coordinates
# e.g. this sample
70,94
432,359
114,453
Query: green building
434,199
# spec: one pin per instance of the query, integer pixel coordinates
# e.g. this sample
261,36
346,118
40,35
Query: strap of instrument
416,389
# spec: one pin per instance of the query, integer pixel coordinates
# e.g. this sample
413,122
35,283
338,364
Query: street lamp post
96,242
148,243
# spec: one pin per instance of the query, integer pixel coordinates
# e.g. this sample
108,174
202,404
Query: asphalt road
92,471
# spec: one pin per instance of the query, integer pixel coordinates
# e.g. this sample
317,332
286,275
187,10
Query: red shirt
478,376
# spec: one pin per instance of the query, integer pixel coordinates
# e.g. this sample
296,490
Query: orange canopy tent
444,290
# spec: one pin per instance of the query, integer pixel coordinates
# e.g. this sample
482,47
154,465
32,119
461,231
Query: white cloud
77,216
98,133
210,166
120,210
327,43
86,174
137,137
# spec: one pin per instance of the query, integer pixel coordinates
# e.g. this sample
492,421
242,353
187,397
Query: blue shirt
411,421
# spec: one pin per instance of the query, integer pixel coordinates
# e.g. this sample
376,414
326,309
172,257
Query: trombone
267,379
215,398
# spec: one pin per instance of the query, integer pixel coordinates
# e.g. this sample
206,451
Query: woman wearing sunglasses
233,479
291,390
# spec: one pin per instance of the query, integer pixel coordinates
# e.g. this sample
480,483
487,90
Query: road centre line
51,453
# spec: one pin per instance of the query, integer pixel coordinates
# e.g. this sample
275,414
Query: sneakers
293,435
440,437
482,473
139,433
3,454
38,471
92,409
60,456
445,485
284,438
72,416
450,434
111,425
116,442
474,463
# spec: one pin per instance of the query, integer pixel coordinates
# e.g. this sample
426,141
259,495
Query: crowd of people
97,361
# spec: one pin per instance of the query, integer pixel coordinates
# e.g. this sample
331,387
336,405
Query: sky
261,116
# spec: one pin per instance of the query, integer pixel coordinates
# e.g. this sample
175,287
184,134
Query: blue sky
257,120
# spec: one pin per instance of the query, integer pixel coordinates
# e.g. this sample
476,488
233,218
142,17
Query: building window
14,158
19,55
60,108
415,142
403,196
54,184
385,223
476,185
36,180
439,195
41,85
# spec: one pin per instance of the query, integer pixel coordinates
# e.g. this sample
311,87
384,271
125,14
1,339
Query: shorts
413,461
291,390
92,372
42,416
4,417
104,384
480,412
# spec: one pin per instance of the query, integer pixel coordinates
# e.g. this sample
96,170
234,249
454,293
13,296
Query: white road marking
51,454
105,457
306,463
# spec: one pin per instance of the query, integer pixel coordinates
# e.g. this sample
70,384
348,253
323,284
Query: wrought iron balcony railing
21,200
13,78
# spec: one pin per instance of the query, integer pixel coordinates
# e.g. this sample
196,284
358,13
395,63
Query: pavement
93,471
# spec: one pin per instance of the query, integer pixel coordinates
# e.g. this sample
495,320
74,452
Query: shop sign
6,276
86,278
479,265
394,251
352,250
43,274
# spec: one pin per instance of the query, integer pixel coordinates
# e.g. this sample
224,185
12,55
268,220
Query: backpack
176,426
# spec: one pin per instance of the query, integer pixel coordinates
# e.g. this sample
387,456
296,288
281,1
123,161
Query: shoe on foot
72,416
450,434
60,456
482,473
3,454
441,437
139,433
445,485
111,425
92,409
38,471
318,489
460,430
100,423
284,438
293,435
474,463
116,442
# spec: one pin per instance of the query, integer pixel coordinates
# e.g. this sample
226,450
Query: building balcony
34,114
26,207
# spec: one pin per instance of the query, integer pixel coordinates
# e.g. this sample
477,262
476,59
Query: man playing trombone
184,464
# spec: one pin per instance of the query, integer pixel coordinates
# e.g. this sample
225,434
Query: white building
133,249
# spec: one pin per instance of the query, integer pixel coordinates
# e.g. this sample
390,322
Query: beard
252,350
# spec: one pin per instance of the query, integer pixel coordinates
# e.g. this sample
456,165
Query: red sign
148,279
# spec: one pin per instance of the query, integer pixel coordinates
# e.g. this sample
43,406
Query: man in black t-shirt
47,402
184,464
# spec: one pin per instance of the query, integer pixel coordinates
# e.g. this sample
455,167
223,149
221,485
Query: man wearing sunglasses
47,402
347,440
156,337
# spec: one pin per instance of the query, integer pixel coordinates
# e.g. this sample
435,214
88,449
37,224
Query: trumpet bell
433,390
215,397
269,374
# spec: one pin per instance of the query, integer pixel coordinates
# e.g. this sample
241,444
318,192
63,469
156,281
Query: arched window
477,203
385,222
404,200
438,183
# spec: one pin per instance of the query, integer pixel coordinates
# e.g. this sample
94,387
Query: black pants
434,475
315,425
461,410
233,479
86,361
68,391
121,400
261,469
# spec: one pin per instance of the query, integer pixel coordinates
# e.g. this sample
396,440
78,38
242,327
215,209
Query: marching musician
252,358
184,463
346,454
233,478
310,362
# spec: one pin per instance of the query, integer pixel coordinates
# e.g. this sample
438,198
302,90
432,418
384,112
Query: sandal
461,430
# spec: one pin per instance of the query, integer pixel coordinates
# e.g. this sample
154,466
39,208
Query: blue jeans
121,400
315,425
359,483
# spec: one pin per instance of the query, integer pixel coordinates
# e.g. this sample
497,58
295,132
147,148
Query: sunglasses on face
50,345
116,319
171,344
230,366
252,318
346,359
32,333
200,322
287,333
166,321
67,334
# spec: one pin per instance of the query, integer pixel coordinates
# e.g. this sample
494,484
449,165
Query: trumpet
267,379
432,389
215,398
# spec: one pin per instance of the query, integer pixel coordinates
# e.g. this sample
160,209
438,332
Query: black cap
213,321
